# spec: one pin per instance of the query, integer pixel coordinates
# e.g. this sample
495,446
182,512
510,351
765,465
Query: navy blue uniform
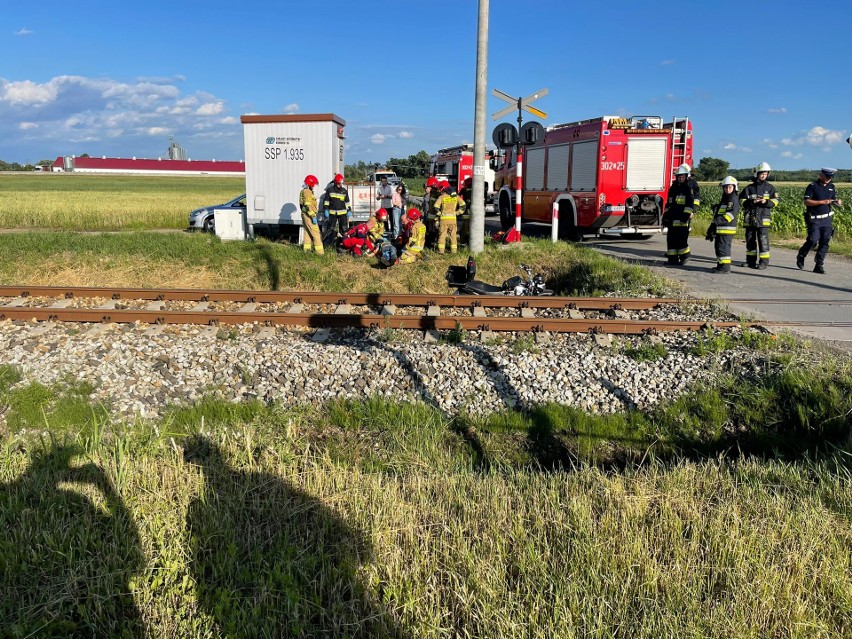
818,220
679,206
758,199
725,227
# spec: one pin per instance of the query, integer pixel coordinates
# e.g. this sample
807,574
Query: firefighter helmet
413,214
311,181
338,179
432,181
763,167
382,215
686,166
729,181
468,181
683,169
443,184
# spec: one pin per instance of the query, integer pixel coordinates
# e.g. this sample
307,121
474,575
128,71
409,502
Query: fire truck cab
455,164
603,176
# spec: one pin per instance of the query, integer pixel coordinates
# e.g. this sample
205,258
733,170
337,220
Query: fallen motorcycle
463,278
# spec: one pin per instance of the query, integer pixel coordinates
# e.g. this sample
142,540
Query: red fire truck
604,176
455,165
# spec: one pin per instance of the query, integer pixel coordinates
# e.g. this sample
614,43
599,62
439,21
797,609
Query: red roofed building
158,166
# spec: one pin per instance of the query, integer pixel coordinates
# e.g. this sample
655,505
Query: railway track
629,316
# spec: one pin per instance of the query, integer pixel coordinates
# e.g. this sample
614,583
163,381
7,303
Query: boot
819,269
800,262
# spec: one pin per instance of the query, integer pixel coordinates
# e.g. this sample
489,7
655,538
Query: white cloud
291,108
211,108
817,136
746,149
777,110
405,135
23,32
666,63
729,146
378,138
790,154
112,117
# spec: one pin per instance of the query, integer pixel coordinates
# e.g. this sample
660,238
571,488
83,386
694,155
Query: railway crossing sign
519,104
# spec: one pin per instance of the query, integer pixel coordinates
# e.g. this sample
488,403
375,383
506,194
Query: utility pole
476,242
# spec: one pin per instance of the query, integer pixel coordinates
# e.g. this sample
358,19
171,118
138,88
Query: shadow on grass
272,561
65,560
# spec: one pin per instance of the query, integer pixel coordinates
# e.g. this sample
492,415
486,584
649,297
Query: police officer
724,225
308,206
337,207
819,197
677,217
758,199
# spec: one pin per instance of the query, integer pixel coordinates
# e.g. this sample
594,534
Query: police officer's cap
828,171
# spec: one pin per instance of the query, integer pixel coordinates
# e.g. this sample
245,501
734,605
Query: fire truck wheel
507,216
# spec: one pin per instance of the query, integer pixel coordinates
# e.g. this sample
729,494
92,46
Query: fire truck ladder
680,127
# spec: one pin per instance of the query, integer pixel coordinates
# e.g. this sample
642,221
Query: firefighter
358,240
693,185
448,207
416,238
758,199
677,217
724,225
377,234
433,192
338,211
819,197
466,195
308,206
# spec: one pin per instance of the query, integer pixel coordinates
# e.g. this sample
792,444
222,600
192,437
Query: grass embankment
725,514
198,260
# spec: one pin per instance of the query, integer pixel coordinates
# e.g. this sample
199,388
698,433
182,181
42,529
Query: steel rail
356,299
353,320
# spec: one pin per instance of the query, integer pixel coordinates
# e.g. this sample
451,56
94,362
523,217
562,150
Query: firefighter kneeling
358,240
416,238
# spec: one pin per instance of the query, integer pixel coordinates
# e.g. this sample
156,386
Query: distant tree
710,169
84,155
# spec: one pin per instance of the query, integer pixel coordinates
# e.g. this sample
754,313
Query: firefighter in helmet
338,211
358,240
724,225
677,217
448,207
693,185
416,238
466,195
430,216
758,199
308,206
379,229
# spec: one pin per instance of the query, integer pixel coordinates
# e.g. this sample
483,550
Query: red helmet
468,181
382,215
338,179
311,181
432,181
413,214
443,184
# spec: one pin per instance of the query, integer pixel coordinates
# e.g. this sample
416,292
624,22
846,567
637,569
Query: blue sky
761,81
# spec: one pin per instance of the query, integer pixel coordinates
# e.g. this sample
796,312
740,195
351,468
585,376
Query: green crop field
80,202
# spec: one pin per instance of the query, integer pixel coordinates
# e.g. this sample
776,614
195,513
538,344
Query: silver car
202,219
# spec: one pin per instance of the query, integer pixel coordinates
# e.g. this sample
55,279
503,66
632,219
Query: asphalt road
827,298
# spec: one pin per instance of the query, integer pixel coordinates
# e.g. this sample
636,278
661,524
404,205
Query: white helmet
683,169
729,181
686,166
760,168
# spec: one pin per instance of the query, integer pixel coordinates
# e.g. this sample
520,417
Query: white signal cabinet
280,150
